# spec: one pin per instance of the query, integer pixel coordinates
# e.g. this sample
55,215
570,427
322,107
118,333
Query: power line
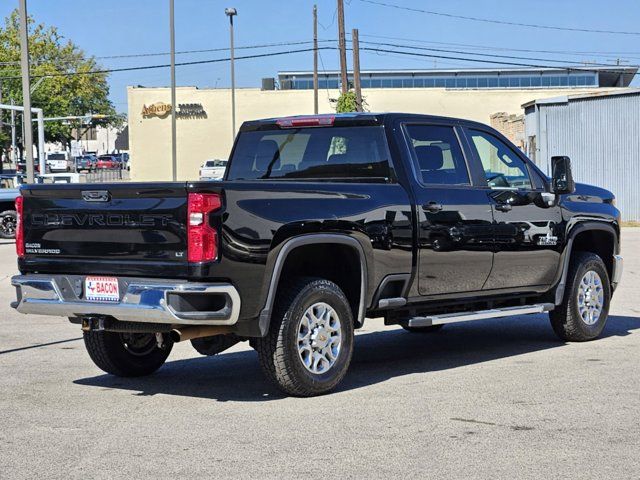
181,64
507,49
499,22
500,62
564,62
183,52
208,50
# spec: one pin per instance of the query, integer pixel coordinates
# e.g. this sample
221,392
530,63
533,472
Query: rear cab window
438,157
315,153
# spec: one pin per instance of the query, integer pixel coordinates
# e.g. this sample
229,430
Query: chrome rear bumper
144,300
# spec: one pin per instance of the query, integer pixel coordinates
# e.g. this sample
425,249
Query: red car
106,162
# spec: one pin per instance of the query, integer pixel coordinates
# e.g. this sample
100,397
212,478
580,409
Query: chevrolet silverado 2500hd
319,223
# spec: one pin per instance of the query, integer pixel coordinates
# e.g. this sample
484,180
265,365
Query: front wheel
310,342
583,313
127,354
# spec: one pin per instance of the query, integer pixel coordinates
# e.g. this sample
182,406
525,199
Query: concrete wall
211,137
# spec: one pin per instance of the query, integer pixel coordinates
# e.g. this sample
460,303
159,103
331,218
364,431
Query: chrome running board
479,315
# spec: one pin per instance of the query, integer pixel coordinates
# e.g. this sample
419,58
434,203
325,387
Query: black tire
8,222
210,346
141,356
429,329
278,350
566,320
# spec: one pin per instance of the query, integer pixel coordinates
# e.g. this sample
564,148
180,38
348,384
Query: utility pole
356,68
26,91
231,12
315,59
14,153
172,40
343,49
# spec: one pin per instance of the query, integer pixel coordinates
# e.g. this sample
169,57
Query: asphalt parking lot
493,399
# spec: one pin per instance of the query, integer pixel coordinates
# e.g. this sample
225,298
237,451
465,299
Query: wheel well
337,263
600,242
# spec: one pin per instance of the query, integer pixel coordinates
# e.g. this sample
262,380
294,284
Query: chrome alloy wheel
319,338
590,297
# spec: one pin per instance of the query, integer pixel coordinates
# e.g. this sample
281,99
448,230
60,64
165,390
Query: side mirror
562,177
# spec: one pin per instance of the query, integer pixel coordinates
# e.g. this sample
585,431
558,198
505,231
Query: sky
109,28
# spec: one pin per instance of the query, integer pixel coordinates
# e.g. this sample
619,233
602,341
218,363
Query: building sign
184,110
191,110
158,109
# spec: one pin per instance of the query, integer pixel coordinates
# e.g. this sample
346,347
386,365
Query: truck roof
347,119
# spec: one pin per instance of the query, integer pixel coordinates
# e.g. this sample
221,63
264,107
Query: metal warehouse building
601,134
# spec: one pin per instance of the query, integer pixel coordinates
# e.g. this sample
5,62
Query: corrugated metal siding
602,137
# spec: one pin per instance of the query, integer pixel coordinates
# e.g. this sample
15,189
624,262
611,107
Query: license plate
101,289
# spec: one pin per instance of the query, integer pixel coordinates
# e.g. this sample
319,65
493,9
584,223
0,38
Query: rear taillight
202,237
19,227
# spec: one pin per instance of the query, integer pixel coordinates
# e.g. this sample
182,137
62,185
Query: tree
58,95
347,103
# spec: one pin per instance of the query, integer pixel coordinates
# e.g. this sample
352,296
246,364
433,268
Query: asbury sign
184,110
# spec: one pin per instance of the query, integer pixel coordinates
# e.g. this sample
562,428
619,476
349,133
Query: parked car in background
86,163
123,158
8,216
60,162
107,162
21,166
213,170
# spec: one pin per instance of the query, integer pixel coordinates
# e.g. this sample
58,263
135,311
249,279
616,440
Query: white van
60,162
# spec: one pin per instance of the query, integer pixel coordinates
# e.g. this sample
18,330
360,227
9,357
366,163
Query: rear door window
438,155
357,152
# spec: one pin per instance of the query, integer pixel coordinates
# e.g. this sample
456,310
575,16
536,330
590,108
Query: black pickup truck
319,223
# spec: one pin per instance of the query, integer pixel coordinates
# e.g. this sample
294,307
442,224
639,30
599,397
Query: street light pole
26,91
231,12
172,34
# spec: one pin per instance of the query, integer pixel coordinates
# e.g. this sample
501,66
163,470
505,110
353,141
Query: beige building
204,116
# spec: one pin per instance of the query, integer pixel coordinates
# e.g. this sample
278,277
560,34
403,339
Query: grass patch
630,224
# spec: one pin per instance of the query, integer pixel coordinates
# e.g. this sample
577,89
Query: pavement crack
517,428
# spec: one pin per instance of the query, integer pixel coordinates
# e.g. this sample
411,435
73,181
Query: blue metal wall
601,134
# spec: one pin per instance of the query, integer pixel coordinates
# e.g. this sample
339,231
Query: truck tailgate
106,228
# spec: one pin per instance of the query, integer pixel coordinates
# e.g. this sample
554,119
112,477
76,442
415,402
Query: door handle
504,207
432,207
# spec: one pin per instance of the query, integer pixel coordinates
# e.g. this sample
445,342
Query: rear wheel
310,342
583,313
127,354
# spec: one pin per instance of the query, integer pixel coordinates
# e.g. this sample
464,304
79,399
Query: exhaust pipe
197,331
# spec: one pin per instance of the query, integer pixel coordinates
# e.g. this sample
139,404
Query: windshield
311,153
56,156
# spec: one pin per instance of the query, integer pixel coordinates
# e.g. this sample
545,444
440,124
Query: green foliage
347,102
51,53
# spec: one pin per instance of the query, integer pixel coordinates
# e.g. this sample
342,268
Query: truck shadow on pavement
378,356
